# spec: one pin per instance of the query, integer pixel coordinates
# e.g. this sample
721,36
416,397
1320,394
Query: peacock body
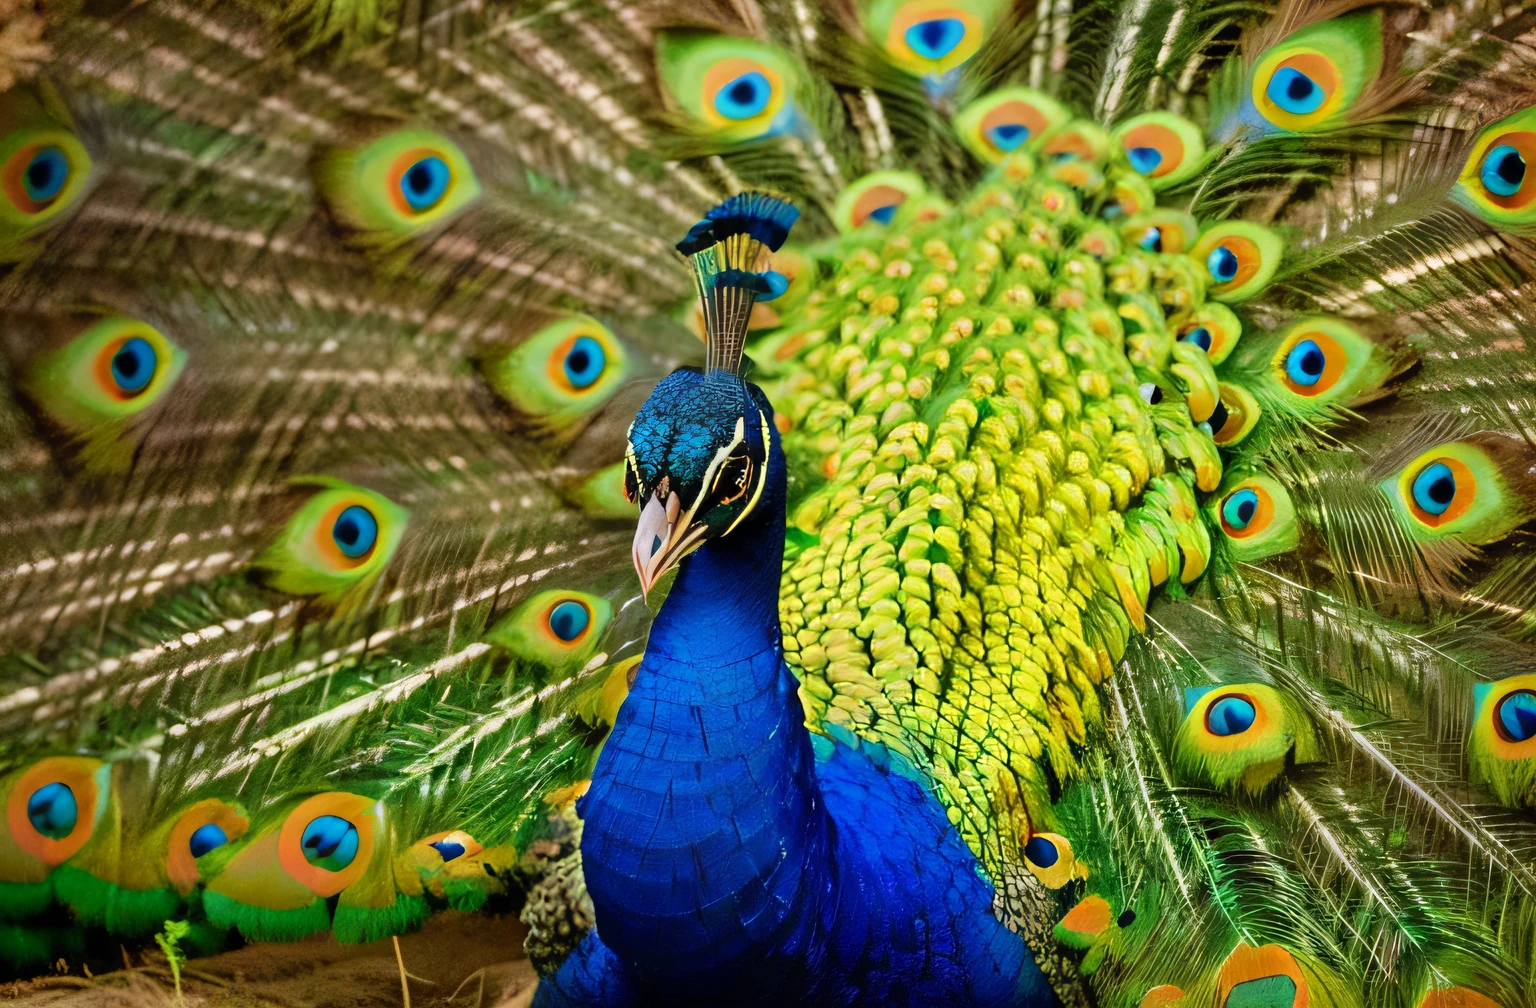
1112,585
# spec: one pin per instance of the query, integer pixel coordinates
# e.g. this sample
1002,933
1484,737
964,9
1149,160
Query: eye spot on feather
1239,258
745,96
1006,120
1255,516
53,811
1151,393
1442,491
205,838
582,362
878,204
927,38
1230,715
1515,716
448,849
1049,858
398,184
568,620
1311,362
330,842
936,38
348,535
423,181
1199,335
42,173
1292,90
1239,510
1503,171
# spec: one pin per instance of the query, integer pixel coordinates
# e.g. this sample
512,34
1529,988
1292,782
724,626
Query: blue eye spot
207,838
1239,508
584,362
1231,715
1200,336
45,174
355,531
448,849
1145,159
937,38
1503,170
1517,716
568,620
425,183
1008,137
744,97
1305,363
1222,263
1294,92
1041,851
1151,240
885,213
329,842
1434,488
133,366
53,811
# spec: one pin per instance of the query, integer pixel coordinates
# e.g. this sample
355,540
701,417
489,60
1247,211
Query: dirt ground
455,961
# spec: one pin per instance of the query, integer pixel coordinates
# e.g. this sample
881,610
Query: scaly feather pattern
1143,388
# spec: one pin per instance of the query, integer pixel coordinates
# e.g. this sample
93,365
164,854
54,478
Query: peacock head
697,464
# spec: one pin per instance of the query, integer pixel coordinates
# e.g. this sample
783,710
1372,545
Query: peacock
952,502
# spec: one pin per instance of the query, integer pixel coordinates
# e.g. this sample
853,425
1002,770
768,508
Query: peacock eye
562,372
1000,123
1239,257
1239,510
399,184
423,180
568,620
340,539
875,197
330,842
745,96
205,838
558,628
1151,240
1503,171
1230,715
928,37
1199,335
936,38
1151,393
355,532
583,362
1515,716
1041,851
1315,76
1442,491
42,171
1049,858
734,87
1255,515
1163,147
1305,364
1293,91
53,811
132,366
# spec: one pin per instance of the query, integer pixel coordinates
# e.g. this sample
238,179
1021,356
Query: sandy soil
455,961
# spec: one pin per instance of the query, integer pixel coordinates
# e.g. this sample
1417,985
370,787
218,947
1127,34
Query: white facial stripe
762,477
714,467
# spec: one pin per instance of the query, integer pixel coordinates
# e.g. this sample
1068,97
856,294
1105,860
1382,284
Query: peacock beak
663,537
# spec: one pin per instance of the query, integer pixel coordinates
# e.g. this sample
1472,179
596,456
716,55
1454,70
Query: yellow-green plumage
1112,390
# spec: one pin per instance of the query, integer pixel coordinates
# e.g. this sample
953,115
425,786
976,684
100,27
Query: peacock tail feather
1154,379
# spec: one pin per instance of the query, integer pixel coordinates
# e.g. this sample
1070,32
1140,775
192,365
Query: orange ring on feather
876,198
86,783
1525,143
1161,139
361,812
325,540
180,865
404,163
1466,492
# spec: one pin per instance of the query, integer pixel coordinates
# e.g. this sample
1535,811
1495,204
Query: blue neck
705,843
